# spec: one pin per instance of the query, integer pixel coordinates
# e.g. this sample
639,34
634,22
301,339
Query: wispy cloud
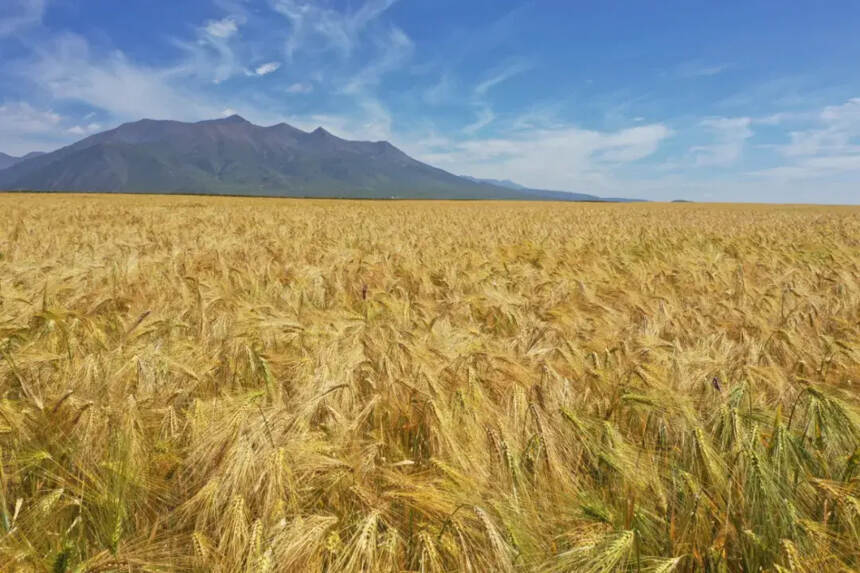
315,27
729,134
213,55
484,118
370,80
394,49
539,116
501,75
299,88
18,15
699,69
371,121
439,92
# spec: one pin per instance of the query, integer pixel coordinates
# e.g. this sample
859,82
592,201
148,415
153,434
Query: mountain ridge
7,160
232,156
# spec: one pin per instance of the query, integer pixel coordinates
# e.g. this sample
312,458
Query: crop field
226,384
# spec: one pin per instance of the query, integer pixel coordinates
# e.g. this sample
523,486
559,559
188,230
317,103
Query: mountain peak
235,118
320,131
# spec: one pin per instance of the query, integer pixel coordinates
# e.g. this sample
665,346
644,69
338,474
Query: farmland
236,384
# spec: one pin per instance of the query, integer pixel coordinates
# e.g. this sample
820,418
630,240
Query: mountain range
232,156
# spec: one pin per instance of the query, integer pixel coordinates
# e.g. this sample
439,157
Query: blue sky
716,101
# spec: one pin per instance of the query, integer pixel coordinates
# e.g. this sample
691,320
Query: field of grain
224,384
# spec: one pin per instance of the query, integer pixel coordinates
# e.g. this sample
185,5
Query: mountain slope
549,195
542,194
499,182
233,156
7,160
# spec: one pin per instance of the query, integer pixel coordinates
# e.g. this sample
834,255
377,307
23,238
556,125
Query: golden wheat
220,384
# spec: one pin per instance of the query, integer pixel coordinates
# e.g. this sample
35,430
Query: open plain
235,384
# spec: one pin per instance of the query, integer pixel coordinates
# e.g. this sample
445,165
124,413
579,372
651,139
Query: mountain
234,156
10,160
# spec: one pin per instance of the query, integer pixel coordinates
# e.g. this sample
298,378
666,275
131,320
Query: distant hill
233,156
10,160
499,182
549,195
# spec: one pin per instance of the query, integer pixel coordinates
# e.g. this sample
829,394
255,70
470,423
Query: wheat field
227,384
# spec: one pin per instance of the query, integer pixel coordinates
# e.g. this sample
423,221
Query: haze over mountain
234,156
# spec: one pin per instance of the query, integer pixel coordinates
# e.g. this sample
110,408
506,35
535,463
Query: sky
708,101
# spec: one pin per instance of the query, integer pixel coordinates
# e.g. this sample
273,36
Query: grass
225,384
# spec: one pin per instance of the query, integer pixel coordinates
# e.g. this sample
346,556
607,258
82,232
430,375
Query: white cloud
566,158
847,114
299,88
84,129
813,168
21,117
67,70
223,28
730,135
823,154
828,149
25,128
839,127
267,68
